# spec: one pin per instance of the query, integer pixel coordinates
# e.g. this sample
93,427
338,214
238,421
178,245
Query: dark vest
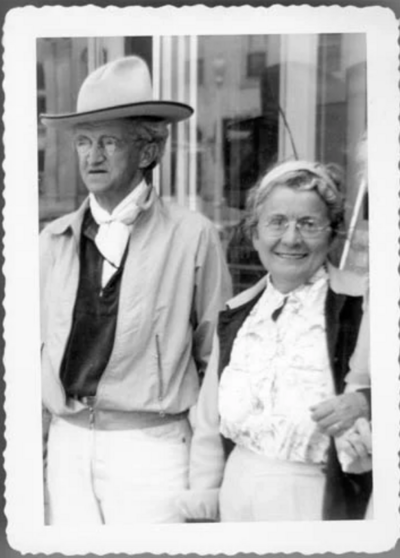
346,495
94,322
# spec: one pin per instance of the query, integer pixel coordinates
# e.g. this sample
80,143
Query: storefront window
258,99
264,99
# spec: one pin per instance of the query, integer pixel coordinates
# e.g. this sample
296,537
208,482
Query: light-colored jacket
175,281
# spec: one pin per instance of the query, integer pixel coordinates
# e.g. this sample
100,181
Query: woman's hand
354,448
335,416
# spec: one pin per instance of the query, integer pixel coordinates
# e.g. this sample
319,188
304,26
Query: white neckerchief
115,228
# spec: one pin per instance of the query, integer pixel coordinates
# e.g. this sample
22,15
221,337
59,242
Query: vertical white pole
219,73
92,54
166,93
193,57
181,179
218,178
157,96
353,222
299,58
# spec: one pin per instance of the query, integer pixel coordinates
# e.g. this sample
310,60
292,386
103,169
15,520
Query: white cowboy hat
120,89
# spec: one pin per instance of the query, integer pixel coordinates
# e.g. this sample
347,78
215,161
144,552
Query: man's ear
148,154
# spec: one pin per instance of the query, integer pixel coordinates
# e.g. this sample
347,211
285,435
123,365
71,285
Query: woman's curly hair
326,180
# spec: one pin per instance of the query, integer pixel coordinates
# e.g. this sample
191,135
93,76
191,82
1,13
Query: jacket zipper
160,375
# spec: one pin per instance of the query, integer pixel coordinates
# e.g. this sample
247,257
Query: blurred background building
258,99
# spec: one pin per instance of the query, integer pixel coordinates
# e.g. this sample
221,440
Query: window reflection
258,99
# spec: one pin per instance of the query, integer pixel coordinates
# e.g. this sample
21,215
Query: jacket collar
340,282
71,221
247,295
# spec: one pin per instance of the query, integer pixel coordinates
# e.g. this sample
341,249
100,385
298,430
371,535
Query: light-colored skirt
256,488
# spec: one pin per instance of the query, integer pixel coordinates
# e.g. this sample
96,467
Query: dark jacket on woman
346,495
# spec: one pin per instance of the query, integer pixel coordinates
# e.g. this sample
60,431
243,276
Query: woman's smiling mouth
289,256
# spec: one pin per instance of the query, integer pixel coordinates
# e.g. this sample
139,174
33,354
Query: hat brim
164,110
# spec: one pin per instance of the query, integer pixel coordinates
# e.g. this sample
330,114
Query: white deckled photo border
26,531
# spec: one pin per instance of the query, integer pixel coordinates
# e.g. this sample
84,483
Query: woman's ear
255,240
148,155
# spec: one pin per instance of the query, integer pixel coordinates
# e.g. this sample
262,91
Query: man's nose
291,234
96,153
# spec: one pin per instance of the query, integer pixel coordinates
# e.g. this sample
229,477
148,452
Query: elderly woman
271,400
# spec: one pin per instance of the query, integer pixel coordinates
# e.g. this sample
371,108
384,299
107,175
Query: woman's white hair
326,180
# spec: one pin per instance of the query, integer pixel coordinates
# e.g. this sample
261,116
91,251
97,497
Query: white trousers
256,488
116,477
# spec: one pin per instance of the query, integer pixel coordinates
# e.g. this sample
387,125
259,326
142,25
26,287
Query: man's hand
338,414
198,506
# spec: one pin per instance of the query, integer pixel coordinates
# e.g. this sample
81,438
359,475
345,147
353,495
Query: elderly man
131,288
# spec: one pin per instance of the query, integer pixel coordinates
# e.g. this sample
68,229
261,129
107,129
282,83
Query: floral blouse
279,368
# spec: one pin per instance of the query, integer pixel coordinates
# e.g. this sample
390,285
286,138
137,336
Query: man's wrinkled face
110,160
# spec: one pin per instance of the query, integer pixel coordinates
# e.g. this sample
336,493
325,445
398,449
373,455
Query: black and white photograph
206,281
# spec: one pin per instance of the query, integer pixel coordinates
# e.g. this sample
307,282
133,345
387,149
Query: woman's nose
291,235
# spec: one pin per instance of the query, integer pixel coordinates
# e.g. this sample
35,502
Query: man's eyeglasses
308,227
108,144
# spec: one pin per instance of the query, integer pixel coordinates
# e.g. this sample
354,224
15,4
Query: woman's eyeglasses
308,227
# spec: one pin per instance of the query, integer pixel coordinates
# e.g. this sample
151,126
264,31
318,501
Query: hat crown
121,82
120,89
